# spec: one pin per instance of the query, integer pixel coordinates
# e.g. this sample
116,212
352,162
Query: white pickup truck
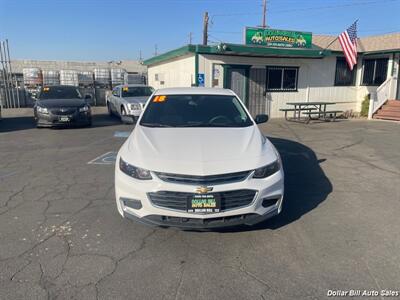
127,101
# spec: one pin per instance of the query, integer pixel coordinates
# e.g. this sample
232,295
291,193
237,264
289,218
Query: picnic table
312,111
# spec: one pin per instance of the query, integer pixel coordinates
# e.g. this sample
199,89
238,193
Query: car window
137,91
115,92
59,92
195,111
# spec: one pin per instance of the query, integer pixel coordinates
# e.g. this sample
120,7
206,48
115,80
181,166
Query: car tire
123,113
110,113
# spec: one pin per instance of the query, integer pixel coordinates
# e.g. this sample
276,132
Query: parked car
127,101
197,159
62,106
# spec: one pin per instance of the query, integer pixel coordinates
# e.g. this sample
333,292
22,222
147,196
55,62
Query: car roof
195,91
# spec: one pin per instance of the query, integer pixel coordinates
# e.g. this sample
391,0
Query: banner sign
278,38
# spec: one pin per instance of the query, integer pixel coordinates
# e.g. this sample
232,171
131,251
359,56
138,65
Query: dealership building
267,73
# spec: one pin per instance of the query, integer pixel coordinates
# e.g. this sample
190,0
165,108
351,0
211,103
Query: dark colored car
62,106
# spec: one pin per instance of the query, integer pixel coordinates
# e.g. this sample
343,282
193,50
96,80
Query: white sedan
127,101
197,159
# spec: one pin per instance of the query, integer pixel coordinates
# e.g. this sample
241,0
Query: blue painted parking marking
108,158
121,134
200,79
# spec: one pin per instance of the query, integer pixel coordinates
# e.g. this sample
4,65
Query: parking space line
122,134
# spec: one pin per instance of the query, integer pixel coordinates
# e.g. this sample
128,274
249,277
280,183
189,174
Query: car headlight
84,108
267,170
133,171
135,106
42,110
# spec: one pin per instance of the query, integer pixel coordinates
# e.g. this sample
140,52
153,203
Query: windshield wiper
155,125
194,125
207,125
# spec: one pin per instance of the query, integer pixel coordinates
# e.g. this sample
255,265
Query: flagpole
334,40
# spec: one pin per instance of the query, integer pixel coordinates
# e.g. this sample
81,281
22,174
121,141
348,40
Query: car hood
198,151
54,103
141,99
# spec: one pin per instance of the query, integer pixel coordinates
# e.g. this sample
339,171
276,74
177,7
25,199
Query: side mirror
88,97
261,119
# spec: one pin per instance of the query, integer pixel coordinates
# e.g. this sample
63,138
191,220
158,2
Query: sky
105,30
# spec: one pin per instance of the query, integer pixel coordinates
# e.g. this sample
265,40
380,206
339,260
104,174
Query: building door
236,79
257,99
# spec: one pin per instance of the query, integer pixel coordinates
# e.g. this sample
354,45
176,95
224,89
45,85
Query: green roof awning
240,50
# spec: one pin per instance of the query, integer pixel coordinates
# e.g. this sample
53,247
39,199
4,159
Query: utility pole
264,13
155,50
190,38
205,28
140,55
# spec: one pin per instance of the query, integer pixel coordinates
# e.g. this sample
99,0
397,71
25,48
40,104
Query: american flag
348,41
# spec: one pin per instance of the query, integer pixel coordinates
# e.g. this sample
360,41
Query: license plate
64,119
207,203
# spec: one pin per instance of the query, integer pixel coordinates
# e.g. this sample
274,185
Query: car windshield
59,92
195,111
137,91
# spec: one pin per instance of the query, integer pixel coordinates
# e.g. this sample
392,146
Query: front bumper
53,120
208,223
127,188
134,112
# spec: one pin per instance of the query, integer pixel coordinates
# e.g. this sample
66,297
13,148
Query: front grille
178,200
203,180
63,111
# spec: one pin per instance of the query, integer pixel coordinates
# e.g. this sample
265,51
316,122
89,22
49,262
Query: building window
282,78
343,75
375,71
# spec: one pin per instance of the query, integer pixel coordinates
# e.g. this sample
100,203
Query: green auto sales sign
278,38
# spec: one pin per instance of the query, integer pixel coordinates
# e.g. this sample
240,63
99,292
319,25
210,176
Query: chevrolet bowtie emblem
203,189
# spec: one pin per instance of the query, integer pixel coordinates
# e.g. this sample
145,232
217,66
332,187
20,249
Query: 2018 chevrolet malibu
196,159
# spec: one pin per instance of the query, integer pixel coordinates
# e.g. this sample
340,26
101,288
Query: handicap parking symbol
200,79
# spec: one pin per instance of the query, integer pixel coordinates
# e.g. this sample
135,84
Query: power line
334,6
303,9
219,40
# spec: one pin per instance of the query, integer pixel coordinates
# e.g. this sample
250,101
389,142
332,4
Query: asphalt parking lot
62,237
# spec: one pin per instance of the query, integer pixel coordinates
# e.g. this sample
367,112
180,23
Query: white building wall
178,72
315,81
